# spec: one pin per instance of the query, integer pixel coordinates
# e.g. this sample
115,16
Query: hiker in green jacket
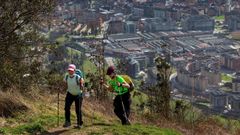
122,100
74,83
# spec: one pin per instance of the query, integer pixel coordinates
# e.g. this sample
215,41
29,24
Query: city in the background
200,38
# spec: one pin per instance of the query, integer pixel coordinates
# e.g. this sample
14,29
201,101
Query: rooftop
218,93
123,36
235,97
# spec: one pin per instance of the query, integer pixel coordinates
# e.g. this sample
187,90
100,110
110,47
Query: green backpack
79,72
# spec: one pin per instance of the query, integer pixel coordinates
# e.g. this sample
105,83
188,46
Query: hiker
122,100
74,84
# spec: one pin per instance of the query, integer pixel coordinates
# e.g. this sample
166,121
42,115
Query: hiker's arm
124,84
81,82
109,88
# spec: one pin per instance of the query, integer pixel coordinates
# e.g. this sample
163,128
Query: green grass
2,131
138,129
73,51
174,70
137,83
230,124
138,100
89,67
191,114
226,77
61,39
24,129
41,124
219,18
32,125
100,128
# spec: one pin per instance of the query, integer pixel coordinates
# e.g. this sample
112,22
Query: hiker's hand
115,93
110,89
81,87
101,82
81,82
119,84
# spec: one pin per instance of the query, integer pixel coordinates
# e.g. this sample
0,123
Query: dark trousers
78,105
124,99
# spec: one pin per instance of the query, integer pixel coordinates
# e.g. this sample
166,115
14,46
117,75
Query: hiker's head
111,72
71,69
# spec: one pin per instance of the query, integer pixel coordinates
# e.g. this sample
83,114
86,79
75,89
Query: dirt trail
85,130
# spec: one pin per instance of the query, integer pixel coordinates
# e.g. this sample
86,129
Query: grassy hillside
42,118
116,129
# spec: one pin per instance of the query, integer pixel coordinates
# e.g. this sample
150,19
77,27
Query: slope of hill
36,112
41,117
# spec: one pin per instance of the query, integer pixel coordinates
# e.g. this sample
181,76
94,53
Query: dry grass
98,110
206,126
210,126
237,132
10,105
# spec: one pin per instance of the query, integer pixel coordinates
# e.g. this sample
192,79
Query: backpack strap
66,77
129,81
77,81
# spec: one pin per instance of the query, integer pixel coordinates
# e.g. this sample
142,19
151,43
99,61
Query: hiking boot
67,124
126,123
78,126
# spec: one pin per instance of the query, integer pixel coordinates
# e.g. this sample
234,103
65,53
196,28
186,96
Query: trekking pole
80,103
93,109
124,110
58,107
79,110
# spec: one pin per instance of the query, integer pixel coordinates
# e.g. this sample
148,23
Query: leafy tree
121,66
21,45
159,101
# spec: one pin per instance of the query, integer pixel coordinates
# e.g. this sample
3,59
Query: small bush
2,131
31,128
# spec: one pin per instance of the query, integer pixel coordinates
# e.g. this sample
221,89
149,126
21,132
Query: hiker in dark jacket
122,100
74,83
